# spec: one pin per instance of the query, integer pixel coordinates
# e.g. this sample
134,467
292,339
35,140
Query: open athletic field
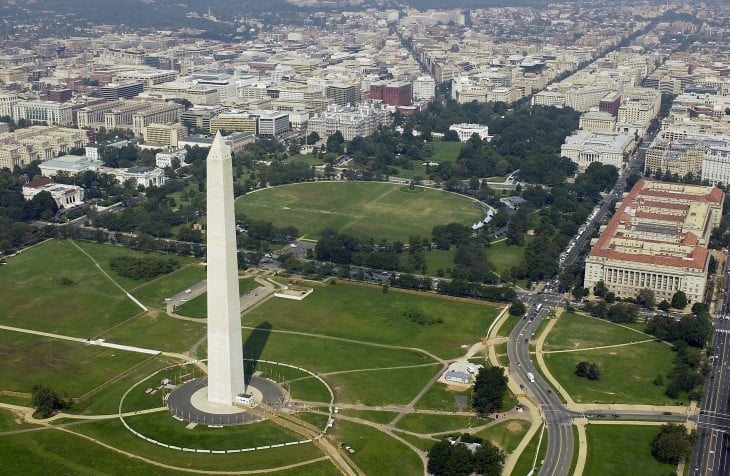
363,209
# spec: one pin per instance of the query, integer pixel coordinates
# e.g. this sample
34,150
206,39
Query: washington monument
225,353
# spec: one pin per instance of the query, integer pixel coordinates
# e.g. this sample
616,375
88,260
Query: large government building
657,240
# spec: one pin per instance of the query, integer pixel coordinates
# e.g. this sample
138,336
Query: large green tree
672,444
489,389
679,300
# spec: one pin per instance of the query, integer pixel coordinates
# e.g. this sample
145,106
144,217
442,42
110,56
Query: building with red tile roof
657,240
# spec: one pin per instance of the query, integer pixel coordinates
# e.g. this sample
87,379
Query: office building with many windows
657,240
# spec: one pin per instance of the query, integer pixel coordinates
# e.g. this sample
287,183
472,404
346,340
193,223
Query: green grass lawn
324,355
506,328
445,151
442,152
154,292
104,253
161,426
439,259
10,421
309,159
63,366
376,452
424,444
198,306
627,374
577,331
617,450
374,416
348,311
439,398
159,332
114,434
54,287
381,387
299,384
427,424
524,463
502,257
365,210
506,435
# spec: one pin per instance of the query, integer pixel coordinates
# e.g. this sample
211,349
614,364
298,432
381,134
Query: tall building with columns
657,240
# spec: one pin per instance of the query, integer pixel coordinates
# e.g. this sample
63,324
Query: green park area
54,287
506,435
347,311
53,361
369,355
503,257
578,331
376,452
629,361
617,450
427,424
443,152
367,210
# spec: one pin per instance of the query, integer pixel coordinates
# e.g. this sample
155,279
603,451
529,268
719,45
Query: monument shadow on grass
254,347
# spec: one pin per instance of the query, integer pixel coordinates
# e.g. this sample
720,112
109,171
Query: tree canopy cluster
452,457
143,268
489,390
46,401
673,444
588,370
688,335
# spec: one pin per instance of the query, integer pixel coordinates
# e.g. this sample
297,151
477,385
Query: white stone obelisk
225,352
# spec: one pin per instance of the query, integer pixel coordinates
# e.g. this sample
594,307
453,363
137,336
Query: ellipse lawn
363,209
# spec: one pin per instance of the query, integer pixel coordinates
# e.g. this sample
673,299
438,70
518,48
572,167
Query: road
712,450
558,419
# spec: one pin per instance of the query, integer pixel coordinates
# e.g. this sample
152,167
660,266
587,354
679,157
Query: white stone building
585,147
465,131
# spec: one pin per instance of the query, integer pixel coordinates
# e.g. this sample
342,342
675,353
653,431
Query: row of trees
689,336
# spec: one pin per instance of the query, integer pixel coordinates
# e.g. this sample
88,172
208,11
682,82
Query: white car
188,291
184,300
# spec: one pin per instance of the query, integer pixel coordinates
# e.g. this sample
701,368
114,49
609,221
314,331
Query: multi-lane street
558,419
712,451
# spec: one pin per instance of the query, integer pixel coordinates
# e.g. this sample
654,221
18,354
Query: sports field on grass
363,209
617,450
368,314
